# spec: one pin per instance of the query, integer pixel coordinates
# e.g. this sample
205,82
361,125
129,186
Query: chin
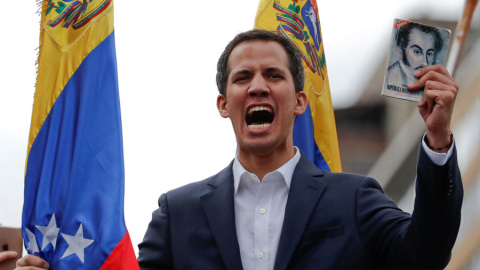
257,147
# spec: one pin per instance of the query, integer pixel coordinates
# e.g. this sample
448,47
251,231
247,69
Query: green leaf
61,6
322,60
294,8
306,35
49,7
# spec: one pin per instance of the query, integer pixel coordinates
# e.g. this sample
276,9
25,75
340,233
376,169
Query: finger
440,93
6,255
439,97
422,103
423,108
446,90
436,68
439,103
31,260
432,75
430,103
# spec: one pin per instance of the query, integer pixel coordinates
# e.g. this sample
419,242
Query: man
417,47
271,208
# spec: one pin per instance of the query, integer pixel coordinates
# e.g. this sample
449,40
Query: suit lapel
218,206
305,191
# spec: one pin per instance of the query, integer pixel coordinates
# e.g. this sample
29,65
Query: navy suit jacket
332,221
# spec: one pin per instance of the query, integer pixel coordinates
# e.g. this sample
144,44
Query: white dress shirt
438,158
259,212
260,208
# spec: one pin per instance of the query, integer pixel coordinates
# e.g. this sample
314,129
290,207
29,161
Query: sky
167,54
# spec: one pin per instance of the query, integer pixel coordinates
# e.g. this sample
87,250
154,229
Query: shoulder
355,183
333,180
395,74
195,190
394,67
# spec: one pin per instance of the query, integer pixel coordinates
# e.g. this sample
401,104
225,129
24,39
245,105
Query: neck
262,163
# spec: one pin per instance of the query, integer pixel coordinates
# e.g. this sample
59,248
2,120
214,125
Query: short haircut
404,35
294,57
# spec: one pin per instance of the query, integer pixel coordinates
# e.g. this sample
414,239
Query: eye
417,52
429,54
240,79
274,76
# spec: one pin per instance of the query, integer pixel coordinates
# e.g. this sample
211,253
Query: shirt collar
286,170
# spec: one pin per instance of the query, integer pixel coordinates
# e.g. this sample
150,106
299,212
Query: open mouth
259,117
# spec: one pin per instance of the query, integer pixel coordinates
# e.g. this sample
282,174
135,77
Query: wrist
439,145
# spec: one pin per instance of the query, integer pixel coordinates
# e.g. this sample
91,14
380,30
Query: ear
302,102
222,106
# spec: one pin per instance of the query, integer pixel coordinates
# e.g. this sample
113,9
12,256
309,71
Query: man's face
419,52
260,97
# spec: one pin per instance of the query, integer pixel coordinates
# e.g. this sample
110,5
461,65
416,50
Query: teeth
259,108
258,126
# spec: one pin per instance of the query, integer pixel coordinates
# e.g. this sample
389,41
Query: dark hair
296,65
404,35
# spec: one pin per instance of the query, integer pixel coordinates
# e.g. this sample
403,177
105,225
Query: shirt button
260,255
251,179
262,211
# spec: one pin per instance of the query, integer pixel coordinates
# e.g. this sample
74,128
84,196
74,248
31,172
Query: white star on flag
32,242
50,233
76,244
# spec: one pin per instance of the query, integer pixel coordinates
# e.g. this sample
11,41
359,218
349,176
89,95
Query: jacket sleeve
424,240
155,249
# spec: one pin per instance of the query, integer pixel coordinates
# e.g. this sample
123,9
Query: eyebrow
274,69
267,70
241,72
416,46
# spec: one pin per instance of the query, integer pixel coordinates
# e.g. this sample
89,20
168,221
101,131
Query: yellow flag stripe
57,63
285,16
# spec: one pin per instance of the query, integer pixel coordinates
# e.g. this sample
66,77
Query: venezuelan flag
74,181
314,131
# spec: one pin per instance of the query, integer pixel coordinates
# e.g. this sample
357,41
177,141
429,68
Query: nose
424,62
258,87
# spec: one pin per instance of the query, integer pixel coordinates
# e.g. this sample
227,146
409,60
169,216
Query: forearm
396,239
436,217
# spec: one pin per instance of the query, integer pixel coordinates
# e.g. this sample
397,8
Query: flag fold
314,131
73,213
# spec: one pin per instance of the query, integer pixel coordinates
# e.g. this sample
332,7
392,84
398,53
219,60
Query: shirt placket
261,224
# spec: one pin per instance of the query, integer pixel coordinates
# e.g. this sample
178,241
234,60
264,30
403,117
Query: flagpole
461,31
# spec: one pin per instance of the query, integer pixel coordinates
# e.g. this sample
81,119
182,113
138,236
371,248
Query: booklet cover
413,46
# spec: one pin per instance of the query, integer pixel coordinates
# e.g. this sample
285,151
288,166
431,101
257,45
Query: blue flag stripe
75,167
303,138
